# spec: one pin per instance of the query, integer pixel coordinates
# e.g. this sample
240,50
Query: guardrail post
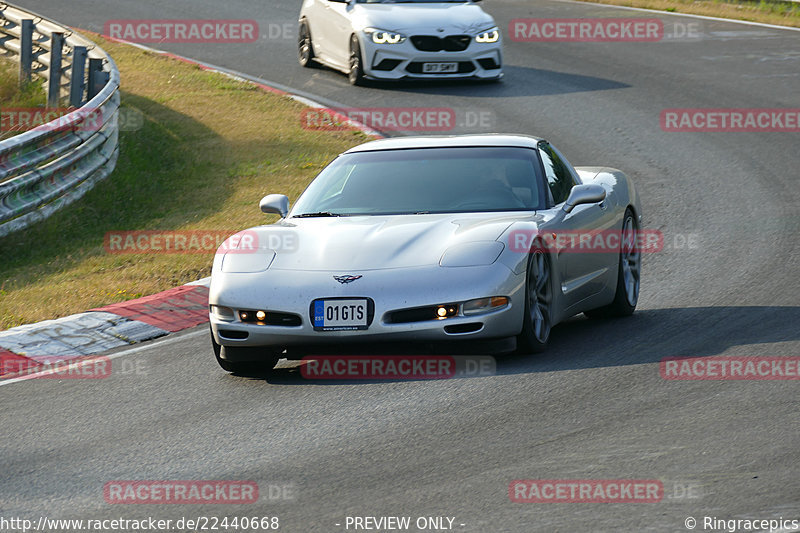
54,79
25,51
97,77
77,82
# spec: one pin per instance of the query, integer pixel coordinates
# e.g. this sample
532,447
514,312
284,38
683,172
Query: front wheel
356,72
305,50
628,273
537,321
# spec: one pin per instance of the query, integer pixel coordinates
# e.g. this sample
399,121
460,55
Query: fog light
261,315
446,311
244,316
484,305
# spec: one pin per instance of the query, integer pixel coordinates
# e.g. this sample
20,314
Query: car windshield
426,180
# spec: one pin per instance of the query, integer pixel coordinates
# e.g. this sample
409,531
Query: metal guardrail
54,164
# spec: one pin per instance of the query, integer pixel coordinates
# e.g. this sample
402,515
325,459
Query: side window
557,171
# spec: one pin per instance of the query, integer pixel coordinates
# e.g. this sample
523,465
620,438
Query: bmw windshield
426,180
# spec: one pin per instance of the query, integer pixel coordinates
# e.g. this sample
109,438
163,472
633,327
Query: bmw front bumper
404,60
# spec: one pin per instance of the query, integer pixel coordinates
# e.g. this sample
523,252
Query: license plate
433,68
340,314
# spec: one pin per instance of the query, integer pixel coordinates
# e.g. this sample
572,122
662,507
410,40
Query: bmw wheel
356,73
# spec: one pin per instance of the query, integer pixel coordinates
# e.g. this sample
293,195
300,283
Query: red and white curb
74,337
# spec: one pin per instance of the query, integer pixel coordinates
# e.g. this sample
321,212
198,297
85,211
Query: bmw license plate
435,68
340,314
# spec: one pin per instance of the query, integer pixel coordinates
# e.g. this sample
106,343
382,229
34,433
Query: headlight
247,263
471,254
384,36
488,36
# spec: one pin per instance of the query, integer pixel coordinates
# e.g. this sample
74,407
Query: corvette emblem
346,279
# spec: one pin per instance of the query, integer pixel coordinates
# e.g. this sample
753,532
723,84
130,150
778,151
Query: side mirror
275,203
584,194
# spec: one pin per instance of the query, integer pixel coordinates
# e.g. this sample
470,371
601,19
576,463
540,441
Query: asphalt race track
594,406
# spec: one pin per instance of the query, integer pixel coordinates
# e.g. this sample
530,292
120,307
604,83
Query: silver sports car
428,239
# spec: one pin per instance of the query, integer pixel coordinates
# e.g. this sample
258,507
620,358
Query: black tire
356,72
244,360
626,296
536,326
305,48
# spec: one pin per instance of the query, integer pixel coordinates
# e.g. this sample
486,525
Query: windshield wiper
317,214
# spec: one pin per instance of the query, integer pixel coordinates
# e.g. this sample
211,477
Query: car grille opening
433,43
283,319
271,318
417,314
463,328
464,67
387,64
488,63
233,334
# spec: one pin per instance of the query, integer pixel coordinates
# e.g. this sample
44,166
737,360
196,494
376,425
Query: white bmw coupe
395,39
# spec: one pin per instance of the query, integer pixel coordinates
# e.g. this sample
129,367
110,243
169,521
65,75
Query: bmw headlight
488,36
385,36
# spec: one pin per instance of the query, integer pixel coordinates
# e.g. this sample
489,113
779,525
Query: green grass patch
209,149
12,95
767,12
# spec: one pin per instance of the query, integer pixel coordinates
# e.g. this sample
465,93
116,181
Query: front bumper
404,60
292,292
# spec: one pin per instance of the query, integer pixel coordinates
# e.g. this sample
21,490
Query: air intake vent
432,43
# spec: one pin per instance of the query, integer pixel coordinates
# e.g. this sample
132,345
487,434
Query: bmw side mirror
587,193
275,204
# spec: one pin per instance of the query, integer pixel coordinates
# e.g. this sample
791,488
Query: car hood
381,242
422,19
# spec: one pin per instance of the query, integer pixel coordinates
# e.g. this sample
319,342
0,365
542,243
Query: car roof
443,141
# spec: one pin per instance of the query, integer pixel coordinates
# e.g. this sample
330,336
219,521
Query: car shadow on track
518,81
654,334
646,337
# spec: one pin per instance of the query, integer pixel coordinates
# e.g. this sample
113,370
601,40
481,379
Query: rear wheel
243,359
538,305
628,273
305,50
356,72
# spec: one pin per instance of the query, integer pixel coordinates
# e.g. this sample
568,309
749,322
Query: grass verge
31,95
767,12
208,149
